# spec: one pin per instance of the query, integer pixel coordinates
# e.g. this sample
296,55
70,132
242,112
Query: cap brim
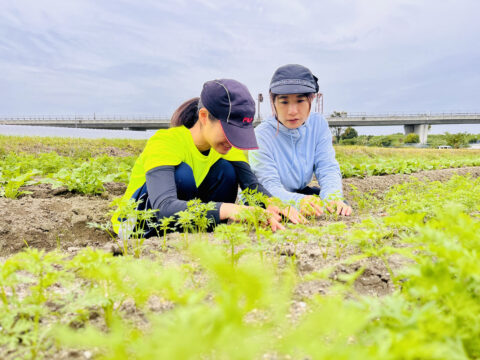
292,89
241,137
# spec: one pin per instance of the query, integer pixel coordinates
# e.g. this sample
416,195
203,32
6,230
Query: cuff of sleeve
215,214
261,188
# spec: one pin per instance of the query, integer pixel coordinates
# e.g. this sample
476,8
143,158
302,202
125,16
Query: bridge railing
87,118
165,117
146,119
405,114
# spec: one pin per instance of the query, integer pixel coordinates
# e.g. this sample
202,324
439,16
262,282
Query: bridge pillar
420,129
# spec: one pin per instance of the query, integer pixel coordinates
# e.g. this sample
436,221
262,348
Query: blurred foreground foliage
208,306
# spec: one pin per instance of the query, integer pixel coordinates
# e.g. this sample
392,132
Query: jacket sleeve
327,170
265,168
162,194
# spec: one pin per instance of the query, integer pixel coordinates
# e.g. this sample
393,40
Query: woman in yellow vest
201,156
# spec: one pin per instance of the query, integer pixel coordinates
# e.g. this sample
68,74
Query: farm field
400,279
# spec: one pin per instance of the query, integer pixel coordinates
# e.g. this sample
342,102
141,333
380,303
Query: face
292,109
215,137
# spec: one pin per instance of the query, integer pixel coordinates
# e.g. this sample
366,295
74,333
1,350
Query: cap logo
291,82
247,119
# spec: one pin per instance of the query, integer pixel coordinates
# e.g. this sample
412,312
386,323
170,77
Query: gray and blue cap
230,102
293,79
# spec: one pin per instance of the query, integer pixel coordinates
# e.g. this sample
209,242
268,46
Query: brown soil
49,219
381,184
114,151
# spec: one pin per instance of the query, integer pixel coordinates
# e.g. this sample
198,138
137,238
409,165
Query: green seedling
364,201
255,215
200,214
185,221
132,228
234,235
164,225
195,218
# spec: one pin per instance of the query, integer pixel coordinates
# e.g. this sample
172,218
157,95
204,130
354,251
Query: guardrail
153,118
152,122
73,118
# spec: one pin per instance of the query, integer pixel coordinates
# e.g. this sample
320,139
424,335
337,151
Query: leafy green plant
234,235
164,225
254,216
11,187
132,228
21,315
200,214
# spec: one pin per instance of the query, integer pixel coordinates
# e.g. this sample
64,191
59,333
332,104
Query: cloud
148,57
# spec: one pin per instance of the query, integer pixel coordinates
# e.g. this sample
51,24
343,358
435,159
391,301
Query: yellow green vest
172,147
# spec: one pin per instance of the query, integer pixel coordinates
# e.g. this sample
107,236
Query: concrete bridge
412,123
417,123
92,122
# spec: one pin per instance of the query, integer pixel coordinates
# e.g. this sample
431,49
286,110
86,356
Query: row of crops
85,176
231,297
360,161
85,169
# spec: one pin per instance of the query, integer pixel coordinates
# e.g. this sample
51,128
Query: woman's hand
273,212
289,212
231,211
311,206
340,207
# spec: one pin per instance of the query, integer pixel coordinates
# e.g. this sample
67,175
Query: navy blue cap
230,102
293,79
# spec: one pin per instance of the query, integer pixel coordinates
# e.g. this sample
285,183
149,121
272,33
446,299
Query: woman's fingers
341,208
318,209
312,208
294,215
274,211
275,224
276,216
347,211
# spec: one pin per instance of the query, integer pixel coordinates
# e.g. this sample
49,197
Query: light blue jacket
286,161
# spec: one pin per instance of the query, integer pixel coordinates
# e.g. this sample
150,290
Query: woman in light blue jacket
294,144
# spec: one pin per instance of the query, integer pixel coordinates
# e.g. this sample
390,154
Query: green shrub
456,140
380,141
348,142
349,133
412,138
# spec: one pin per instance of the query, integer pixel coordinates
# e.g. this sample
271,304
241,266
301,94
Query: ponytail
186,114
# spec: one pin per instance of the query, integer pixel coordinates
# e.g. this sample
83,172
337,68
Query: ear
203,116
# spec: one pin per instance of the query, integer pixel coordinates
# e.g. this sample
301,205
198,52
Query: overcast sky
147,57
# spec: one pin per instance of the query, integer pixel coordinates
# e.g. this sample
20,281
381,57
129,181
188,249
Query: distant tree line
349,136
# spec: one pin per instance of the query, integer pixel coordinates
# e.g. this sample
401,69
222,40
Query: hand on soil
339,207
274,220
289,212
311,206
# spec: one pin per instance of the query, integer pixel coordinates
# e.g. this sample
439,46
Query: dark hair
187,113
274,96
